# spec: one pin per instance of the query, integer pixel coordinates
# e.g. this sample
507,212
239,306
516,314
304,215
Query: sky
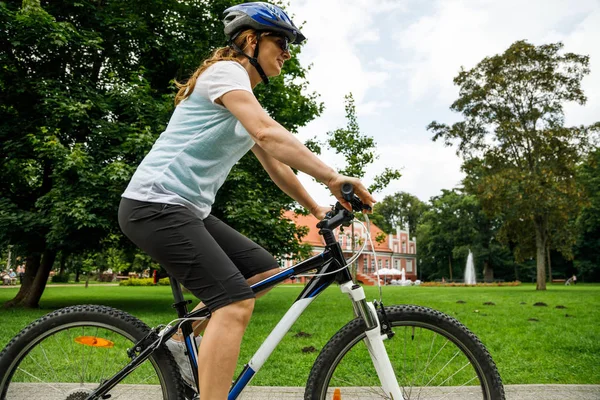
398,58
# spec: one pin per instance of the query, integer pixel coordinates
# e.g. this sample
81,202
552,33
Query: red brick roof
313,238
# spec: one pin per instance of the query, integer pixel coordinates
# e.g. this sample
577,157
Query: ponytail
220,54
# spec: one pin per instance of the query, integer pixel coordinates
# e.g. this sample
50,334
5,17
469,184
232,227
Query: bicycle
436,355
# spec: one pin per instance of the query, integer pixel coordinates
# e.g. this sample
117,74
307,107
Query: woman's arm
288,182
280,144
274,138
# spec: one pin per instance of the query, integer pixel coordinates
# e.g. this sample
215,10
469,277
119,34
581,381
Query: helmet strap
253,60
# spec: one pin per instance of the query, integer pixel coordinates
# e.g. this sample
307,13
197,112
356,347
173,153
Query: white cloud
415,50
425,169
335,29
462,33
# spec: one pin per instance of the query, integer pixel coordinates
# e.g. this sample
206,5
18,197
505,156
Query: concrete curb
513,392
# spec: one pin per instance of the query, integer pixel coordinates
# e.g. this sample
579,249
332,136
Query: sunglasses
281,41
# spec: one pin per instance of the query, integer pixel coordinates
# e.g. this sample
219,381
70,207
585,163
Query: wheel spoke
73,350
49,363
432,355
41,381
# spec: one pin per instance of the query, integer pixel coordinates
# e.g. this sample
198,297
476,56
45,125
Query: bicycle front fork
374,339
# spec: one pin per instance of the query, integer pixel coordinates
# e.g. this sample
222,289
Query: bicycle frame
330,260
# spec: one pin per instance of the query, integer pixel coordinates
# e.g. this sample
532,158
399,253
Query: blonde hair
220,54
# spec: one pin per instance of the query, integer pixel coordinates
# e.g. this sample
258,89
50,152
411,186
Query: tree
519,157
453,224
587,249
399,209
85,90
358,149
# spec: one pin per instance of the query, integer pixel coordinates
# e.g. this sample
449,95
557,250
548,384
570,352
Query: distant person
5,278
21,272
569,281
574,279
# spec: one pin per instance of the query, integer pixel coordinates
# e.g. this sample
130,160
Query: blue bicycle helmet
260,17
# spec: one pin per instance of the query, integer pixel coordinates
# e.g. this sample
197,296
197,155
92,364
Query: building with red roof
392,251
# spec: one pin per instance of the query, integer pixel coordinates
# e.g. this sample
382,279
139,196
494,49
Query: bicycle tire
345,352
48,342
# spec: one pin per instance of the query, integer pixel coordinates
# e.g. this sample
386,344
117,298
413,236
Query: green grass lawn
530,344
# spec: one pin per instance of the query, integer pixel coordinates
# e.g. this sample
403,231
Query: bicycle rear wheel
433,355
67,353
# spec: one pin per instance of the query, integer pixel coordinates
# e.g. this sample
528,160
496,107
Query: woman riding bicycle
165,209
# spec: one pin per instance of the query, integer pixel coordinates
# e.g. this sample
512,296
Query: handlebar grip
347,191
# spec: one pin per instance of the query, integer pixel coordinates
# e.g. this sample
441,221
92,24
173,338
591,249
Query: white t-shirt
192,158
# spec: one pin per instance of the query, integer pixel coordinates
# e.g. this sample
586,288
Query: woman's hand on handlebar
320,211
335,186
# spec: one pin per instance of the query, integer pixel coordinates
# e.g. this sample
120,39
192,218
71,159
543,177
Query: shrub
144,282
106,277
454,284
164,282
60,278
137,282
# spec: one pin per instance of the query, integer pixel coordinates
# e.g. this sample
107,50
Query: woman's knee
237,312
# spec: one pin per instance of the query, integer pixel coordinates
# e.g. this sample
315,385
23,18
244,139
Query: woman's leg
200,326
220,348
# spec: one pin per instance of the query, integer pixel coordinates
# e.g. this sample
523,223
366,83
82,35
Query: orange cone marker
337,395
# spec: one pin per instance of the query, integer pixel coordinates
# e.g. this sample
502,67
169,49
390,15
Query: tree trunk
39,284
8,263
549,263
450,266
488,272
32,265
541,239
63,260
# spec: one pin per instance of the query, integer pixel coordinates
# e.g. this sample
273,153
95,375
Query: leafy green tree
399,209
358,149
454,224
85,90
520,159
587,249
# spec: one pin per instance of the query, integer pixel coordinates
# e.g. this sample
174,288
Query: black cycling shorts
207,257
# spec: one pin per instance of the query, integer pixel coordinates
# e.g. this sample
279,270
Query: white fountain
470,270
404,281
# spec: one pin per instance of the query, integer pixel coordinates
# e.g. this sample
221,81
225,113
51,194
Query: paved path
513,392
63,285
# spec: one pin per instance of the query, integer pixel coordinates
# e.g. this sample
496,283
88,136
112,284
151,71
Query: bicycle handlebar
339,215
350,197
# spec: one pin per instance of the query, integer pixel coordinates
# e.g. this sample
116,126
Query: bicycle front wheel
66,354
433,355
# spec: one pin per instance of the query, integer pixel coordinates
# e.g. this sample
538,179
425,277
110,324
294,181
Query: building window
387,263
409,266
365,266
341,239
395,248
396,264
379,263
404,247
372,265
